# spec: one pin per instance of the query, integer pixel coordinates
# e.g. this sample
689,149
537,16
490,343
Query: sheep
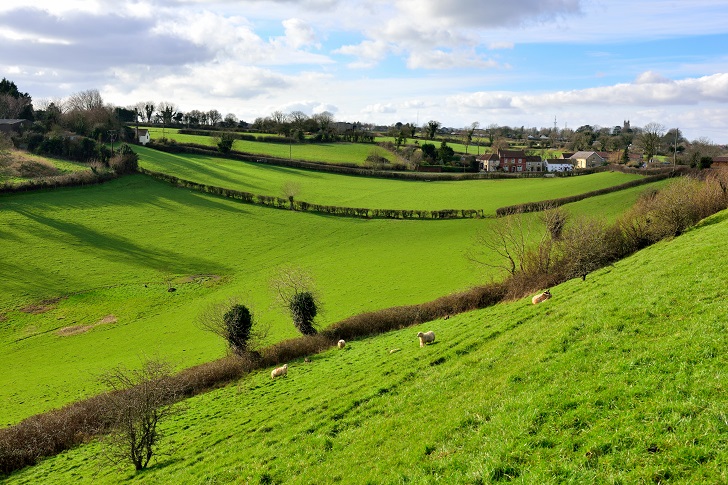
426,338
279,371
541,297
341,343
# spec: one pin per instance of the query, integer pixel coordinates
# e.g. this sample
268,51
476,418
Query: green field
341,152
101,259
352,191
617,379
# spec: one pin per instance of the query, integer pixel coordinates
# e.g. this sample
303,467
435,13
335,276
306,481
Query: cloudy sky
518,62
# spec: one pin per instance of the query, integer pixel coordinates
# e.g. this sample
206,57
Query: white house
143,136
559,165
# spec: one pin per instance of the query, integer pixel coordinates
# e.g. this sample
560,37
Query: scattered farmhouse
143,136
512,160
535,164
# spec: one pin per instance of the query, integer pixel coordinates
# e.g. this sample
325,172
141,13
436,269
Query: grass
101,258
348,153
20,165
618,379
351,191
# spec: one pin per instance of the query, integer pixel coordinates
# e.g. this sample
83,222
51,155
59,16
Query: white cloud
651,77
379,108
500,45
299,34
439,59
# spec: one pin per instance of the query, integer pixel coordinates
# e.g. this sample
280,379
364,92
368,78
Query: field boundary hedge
74,179
302,206
551,203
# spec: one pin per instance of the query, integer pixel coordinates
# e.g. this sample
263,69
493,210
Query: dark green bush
238,324
303,310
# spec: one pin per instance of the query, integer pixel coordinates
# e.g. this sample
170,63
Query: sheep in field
279,371
426,338
541,297
341,344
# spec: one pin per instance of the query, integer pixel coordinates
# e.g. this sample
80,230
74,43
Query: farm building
10,126
586,159
559,165
143,136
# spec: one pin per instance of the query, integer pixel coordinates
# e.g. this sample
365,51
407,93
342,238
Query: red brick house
512,160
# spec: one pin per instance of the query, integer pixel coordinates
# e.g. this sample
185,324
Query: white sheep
341,343
279,371
541,297
426,338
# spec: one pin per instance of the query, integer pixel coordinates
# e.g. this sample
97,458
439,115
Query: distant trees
430,129
650,139
13,103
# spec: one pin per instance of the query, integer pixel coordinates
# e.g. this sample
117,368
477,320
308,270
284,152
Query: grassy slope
619,379
349,191
356,153
103,244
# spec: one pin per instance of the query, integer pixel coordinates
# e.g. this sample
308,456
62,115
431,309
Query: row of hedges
336,168
297,205
74,179
551,203
52,432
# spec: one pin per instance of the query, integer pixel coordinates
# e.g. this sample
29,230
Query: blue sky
518,63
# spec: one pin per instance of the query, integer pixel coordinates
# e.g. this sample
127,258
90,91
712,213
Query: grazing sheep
426,338
341,343
446,317
279,371
541,297
307,360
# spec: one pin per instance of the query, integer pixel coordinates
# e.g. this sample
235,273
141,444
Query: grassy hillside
86,273
618,379
356,153
350,191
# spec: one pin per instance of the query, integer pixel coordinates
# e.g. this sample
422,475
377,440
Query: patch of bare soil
77,329
41,307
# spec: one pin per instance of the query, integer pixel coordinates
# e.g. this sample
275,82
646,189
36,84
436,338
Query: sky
532,63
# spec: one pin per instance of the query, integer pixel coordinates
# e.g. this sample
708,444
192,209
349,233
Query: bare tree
85,101
214,117
469,132
584,247
138,400
290,190
650,139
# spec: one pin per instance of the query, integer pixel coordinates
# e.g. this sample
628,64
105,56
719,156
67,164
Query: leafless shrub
290,190
585,247
138,400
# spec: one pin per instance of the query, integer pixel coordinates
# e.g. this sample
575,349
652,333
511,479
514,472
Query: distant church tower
625,126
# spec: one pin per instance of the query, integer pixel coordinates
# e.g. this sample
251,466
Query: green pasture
376,193
86,273
617,379
347,153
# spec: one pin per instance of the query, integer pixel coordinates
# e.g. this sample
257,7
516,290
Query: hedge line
74,179
337,168
551,203
297,205
50,433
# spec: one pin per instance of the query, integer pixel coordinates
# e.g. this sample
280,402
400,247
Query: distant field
21,165
617,379
352,191
352,153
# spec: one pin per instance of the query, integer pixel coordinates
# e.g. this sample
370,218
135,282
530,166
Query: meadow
353,191
617,379
340,152
86,273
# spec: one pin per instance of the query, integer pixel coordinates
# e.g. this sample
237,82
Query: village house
586,159
559,165
512,160
535,164
488,162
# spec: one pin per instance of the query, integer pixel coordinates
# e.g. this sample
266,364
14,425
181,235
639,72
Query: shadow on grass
122,250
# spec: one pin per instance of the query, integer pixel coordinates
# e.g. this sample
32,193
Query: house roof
487,157
511,154
533,158
721,159
143,131
584,154
558,161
